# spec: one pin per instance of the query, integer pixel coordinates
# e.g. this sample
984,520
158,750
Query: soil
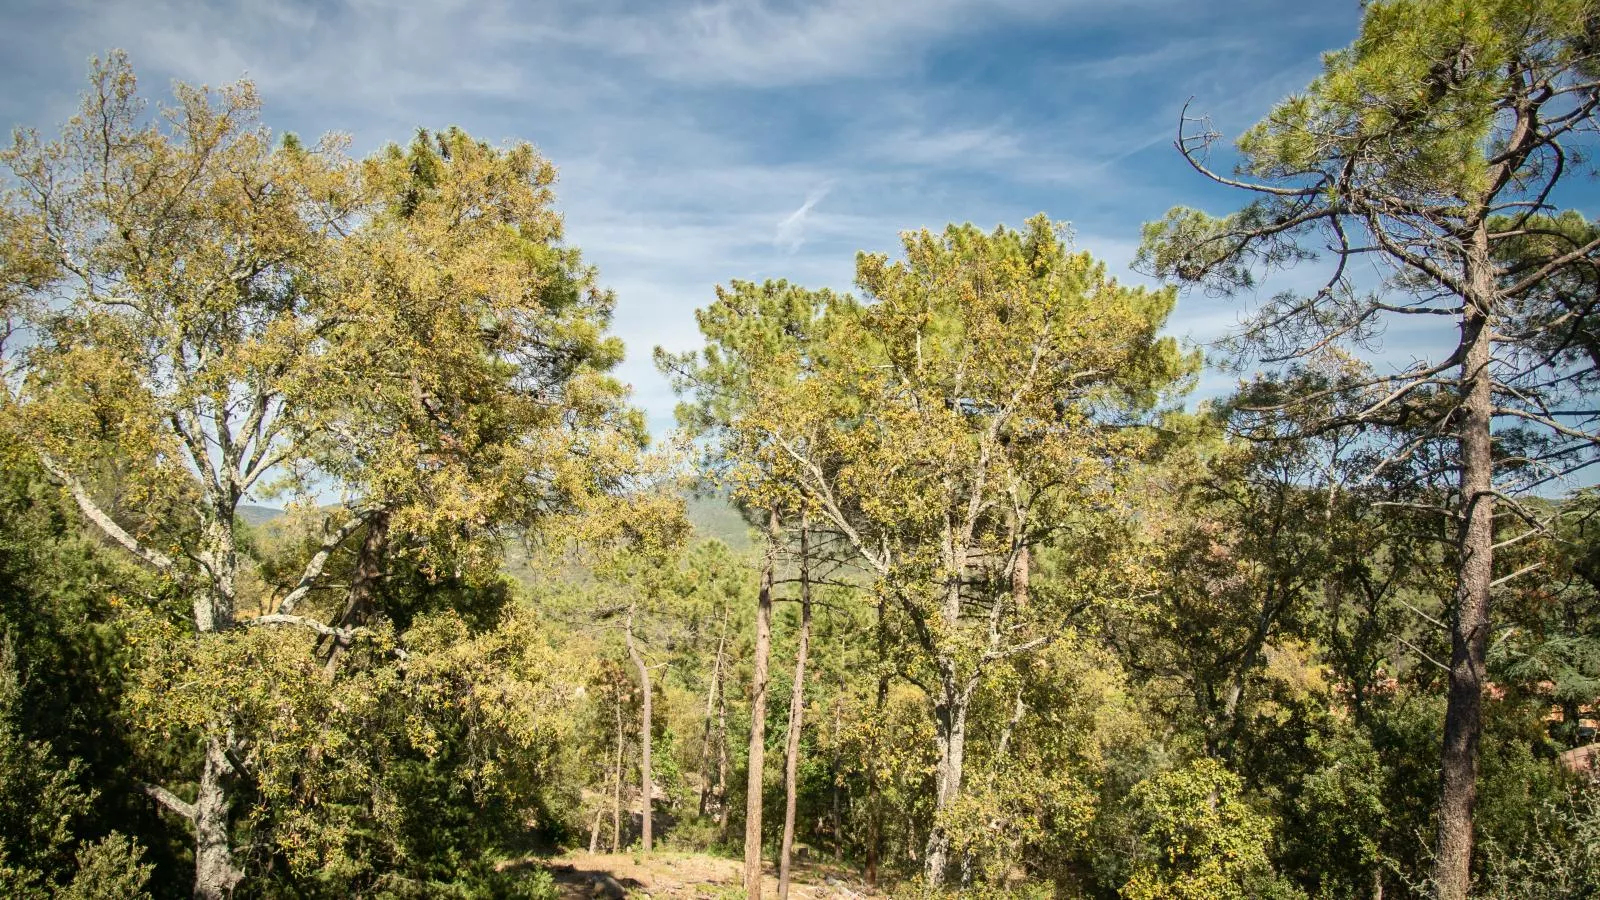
582,876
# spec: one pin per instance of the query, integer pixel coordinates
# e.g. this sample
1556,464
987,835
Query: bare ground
580,876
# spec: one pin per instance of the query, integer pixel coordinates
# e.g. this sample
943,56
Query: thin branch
1418,650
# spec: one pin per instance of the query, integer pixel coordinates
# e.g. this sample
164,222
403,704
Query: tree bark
711,709
616,787
723,813
1469,621
646,787
834,778
215,871
594,831
797,706
362,601
758,717
874,791
950,727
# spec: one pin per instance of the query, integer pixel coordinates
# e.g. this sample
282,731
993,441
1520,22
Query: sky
700,141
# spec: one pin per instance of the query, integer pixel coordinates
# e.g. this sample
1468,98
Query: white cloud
686,131
791,232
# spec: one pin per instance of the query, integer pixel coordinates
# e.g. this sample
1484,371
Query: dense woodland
334,561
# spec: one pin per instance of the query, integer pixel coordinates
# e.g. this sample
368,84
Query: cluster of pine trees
1001,612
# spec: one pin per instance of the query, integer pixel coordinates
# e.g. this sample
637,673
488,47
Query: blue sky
700,141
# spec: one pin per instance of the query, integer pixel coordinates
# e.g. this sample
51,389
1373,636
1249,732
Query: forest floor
580,876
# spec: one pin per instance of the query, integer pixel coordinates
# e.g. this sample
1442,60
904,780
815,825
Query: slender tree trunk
646,786
215,871
1018,710
616,787
362,601
758,717
1469,621
797,706
833,778
874,791
711,703
723,816
594,831
950,726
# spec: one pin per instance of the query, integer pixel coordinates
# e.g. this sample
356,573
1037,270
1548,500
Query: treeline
1018,618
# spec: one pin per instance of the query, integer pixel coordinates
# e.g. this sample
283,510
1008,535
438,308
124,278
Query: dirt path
580,876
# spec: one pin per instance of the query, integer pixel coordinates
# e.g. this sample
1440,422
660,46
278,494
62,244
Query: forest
337,561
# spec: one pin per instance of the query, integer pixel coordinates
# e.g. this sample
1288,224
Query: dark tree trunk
362,601
797,705
1469,620
758,717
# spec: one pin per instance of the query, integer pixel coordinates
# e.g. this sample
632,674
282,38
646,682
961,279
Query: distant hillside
711,517
257,516
716,517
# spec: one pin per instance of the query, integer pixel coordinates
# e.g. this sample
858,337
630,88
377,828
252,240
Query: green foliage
1206,841
109,869
1556,856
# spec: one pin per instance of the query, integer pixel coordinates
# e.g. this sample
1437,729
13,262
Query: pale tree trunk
950,727
711,710
214,607
797,706
758,717
616,787
594,831
646,787
723,817
1469,620
215,872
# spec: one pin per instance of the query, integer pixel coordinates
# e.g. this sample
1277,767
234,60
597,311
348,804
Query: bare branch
98,516
313,569
171,801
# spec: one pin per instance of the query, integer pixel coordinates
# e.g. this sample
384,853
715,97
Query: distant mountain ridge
709,516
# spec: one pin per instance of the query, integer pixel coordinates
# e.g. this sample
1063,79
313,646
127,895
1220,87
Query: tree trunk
711,703
723,816
594,831
1469,622
616,787
215,872
833,778
646,787
362,601
950,726
214,608
758,718
797,706
874,791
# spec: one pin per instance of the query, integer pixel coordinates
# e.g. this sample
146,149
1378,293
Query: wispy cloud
791,232
704,140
